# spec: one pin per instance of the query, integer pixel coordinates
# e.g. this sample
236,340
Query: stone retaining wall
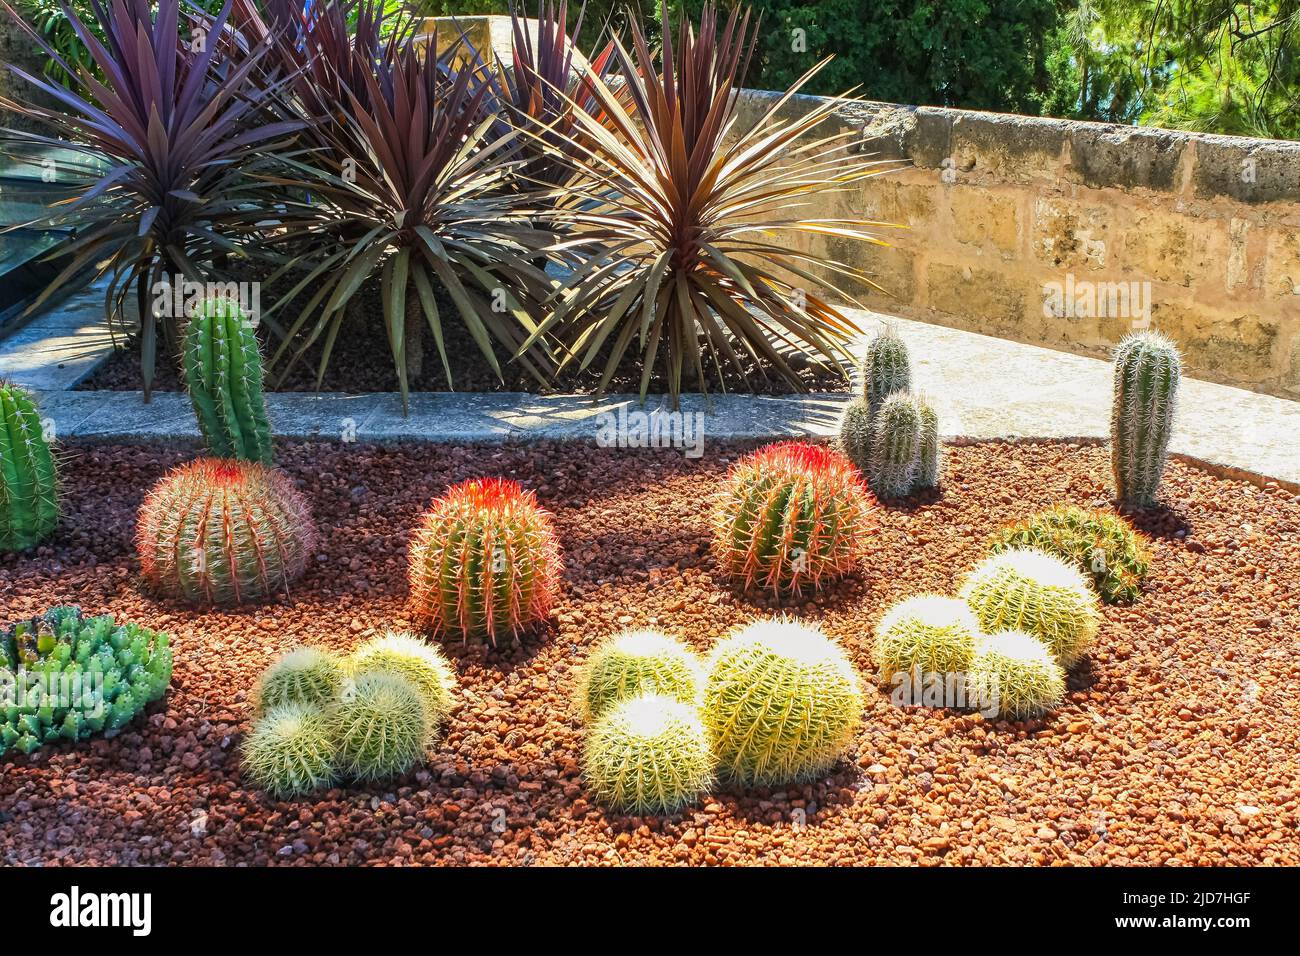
1012,221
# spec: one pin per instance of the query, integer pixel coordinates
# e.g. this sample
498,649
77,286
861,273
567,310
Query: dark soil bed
1177,743
362,362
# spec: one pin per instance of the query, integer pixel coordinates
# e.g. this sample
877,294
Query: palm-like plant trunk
413,334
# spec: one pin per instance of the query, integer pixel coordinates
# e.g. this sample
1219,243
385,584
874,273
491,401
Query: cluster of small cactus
1029,590
484,561
925,634
29,501
1024,616
791,517
890,433
777,701
64,676
369,716
781,702
1147,372
219,531
1099,543
223,372
636,663
648,754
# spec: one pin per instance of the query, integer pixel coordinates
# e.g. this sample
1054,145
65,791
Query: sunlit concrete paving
982,387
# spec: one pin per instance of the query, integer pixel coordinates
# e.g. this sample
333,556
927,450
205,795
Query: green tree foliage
1222,66
980,54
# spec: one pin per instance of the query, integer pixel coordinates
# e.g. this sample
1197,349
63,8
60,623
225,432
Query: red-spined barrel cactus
791,517
219,531
485,561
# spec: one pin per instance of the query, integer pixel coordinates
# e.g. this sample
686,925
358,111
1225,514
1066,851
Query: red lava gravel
1177,744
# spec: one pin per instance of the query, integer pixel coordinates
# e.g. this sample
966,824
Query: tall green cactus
1147,371
223,369
895,447
886,369
29,502
930,464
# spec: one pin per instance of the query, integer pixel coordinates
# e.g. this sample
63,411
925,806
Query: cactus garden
655,709
857,629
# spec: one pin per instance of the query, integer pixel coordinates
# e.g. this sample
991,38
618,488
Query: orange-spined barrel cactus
219,531
791,517
484,561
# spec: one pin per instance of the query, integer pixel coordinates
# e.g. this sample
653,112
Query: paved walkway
983,387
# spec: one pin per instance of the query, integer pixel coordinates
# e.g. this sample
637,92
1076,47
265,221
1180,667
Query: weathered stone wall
1013,223
17,48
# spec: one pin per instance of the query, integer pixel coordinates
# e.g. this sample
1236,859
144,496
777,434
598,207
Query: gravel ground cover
1177,742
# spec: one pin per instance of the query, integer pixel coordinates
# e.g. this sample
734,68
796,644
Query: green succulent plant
894,463
1148,368
68,677
29,501
1031,590
223,373
886,368
1100,544
854,440
637,663
424,665
929,466
305,675
291,750
781,702
928,633
648,754
381,725
1016,671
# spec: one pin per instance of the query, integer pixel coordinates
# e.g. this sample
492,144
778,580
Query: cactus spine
895,446
791,517
223,370
29,504
484,561
219,531
886,369
1147,371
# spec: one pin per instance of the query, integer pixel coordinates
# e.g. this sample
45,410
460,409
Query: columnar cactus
648,754
223,370
1147,371
791,517
1029,590
64,676
636,663
1016,673
484,561
886,368
930,459
29,503
896,434
854,440
218,531
781,702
